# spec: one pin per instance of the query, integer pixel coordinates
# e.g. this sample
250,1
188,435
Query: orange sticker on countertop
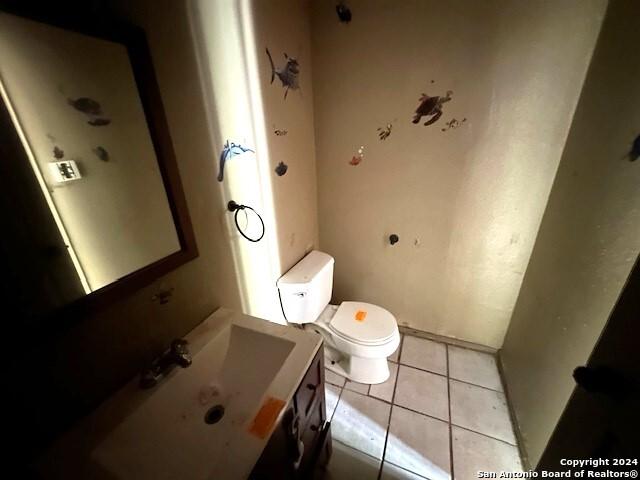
266,417
361,315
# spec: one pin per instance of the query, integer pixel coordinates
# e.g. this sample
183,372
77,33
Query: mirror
90,192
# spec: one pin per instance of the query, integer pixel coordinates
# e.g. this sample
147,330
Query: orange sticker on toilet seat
361,315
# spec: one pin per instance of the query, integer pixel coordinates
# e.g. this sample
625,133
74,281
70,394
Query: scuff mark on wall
101,153
634,154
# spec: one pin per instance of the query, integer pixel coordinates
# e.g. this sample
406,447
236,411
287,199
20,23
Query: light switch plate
64,171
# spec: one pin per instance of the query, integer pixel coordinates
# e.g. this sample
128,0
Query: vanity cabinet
301,443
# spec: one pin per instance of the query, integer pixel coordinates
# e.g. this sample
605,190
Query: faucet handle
179,345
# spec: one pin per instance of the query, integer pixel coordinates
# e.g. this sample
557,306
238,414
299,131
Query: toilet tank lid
306,269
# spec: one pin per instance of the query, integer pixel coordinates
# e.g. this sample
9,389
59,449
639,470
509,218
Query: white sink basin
233,370
238,362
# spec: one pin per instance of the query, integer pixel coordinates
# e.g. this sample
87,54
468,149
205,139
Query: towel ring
235,207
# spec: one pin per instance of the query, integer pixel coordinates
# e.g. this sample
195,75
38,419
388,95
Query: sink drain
214,414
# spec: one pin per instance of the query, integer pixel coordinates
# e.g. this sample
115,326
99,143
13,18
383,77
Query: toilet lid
363,323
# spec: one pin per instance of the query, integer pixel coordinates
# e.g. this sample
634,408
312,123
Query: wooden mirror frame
134,40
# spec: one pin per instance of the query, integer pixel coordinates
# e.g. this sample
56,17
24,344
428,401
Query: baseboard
526,464
448,340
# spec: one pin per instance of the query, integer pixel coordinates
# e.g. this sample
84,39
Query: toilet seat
363,323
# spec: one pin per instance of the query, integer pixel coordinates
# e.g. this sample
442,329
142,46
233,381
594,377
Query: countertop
73,455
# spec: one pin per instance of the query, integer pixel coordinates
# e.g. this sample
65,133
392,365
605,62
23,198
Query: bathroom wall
465,202
87,362
249,108
588,242
284,26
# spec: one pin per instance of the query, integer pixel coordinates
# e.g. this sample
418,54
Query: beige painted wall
117,215
285,26
232,37
588,241
90,360
466,203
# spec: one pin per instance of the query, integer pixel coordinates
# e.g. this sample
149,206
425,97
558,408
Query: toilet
358,336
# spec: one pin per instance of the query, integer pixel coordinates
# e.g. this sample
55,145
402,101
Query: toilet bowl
358,336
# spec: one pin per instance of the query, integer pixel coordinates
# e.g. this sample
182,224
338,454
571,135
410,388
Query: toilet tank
305,290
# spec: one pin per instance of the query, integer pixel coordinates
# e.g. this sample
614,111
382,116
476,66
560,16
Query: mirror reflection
99,199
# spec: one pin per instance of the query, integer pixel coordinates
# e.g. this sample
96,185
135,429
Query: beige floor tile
424,354
349,464
419,444
393,472
423,392
484,411
331,394
361,422
473,452
333,378
384,391
474,367
357,387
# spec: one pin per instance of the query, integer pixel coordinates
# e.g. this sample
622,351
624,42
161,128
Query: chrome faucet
176,354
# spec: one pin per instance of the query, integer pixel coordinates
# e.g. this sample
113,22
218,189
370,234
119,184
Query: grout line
452,378
449,423
452,424
484,435
405,469
476,385
335,384
451,471
393,396
420,413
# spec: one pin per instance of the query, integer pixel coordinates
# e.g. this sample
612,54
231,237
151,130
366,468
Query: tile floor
441,415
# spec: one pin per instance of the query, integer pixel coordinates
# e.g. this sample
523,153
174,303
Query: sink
198,415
